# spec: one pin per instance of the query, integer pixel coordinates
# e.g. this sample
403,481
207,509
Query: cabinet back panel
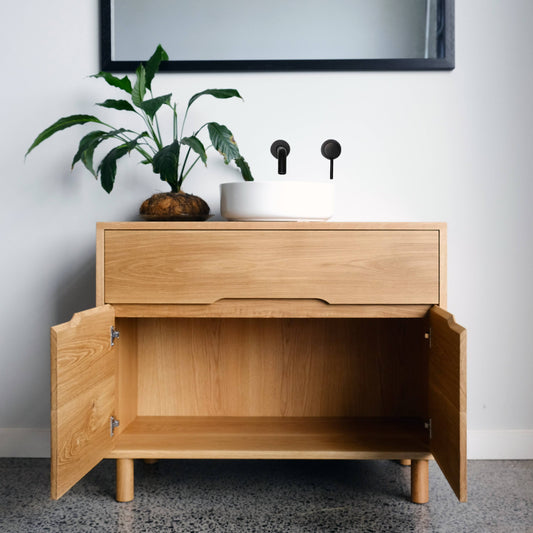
281,367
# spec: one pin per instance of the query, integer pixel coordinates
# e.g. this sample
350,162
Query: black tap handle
280,150
331,149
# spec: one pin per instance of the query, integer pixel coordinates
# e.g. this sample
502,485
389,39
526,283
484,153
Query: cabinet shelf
272,438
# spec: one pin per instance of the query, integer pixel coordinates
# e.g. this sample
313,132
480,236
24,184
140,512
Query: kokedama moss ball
174,206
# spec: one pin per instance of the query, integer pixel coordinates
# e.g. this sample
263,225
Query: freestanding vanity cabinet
262,341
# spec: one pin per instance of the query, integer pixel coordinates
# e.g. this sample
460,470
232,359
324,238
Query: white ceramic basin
277,200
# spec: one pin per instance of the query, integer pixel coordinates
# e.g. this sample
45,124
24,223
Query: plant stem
200,129
148,123
158,130
157,123
182,179
125,138
175,123
185,174
146,155
183,122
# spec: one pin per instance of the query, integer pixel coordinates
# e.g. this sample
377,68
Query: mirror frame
447,62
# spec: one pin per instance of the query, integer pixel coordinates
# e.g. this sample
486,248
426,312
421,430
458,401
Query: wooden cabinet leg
405,462
419,481
124,480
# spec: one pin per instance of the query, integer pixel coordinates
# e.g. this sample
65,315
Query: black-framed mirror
299,35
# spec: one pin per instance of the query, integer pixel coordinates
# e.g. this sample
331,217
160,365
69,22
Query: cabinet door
83,373
447,397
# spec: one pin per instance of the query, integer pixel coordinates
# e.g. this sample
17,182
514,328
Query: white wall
430,146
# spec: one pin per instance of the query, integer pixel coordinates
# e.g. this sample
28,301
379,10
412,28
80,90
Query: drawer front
337,266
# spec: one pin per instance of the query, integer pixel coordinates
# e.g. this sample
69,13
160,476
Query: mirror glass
279,35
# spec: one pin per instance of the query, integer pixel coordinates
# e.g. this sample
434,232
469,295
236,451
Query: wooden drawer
338,266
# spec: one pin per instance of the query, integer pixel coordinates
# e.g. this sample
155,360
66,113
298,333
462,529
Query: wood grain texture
419,481
282,367
443,267
270,308
447,398
100,256
339,267
272,438
83,374
125,480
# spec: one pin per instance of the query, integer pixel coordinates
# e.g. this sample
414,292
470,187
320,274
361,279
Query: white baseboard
24,442
482,444
500,444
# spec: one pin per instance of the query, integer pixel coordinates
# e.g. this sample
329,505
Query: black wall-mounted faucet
330,149
280,150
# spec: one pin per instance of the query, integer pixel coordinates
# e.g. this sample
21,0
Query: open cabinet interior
274,387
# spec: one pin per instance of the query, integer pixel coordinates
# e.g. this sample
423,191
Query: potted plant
173,162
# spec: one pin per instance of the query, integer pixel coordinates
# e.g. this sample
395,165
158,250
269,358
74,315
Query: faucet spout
282,160
280,150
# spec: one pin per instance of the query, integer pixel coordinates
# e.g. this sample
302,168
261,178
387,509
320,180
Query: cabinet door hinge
113,423
427,425
115,334
427,336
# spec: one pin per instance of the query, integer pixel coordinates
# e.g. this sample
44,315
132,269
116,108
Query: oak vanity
300,340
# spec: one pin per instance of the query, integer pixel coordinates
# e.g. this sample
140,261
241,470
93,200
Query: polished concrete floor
267,496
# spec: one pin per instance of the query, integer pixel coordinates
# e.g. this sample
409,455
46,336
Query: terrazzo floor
267,496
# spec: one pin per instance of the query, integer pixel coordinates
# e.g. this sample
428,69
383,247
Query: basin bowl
277,200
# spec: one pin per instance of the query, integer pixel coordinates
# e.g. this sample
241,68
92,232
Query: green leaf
152,66
197,146
139,89
217,93
223,141
86,150
108,166
122,83
61,124
245,169
152,106
121,105
89,143
166,163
